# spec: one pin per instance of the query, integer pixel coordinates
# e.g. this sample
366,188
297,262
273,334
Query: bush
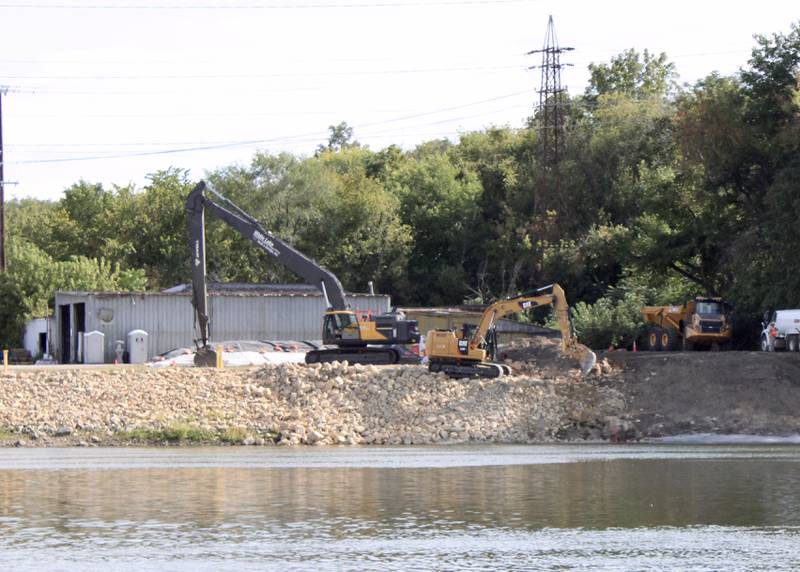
609,321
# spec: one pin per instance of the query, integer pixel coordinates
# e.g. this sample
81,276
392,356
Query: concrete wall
31,340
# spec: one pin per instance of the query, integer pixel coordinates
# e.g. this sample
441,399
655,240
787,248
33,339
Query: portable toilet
93,347
137,346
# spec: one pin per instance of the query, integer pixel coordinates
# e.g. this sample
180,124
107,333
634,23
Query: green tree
634,74
38,276
439,201
341,137
12,315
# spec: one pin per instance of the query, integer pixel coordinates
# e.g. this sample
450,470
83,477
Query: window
709,308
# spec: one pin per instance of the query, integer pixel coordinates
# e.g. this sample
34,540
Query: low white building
274,312
37,336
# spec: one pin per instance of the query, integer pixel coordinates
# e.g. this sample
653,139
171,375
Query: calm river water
639,507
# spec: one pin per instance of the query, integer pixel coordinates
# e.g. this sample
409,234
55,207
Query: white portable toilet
93,347
137,346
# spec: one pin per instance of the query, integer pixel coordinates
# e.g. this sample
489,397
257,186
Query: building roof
223,289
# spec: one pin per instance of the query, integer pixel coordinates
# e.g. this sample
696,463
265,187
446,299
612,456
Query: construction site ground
627,397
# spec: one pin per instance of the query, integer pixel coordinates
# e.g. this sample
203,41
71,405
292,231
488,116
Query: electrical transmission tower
552,100
549,202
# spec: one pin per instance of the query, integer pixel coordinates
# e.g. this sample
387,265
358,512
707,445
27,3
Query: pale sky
111,90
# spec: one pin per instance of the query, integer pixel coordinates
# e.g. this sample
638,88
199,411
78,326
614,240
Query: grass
185,432
233,435
6,434
173,433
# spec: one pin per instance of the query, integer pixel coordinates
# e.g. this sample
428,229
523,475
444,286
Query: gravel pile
292,404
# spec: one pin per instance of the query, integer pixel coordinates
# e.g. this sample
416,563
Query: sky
109,91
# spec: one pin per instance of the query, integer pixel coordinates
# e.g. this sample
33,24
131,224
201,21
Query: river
579,507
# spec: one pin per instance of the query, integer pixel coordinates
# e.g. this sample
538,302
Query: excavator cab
340,326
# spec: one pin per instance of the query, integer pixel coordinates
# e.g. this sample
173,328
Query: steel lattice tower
552,99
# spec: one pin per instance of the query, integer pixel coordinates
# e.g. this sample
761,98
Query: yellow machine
470,351
699,322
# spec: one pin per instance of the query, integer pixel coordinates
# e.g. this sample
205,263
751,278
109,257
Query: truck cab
706,320
780,330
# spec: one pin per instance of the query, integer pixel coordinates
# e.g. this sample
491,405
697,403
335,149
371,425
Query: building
236,311
38,333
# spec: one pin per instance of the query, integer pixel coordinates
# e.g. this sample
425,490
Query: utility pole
3,91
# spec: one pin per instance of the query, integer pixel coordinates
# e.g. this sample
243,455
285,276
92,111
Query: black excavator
355,337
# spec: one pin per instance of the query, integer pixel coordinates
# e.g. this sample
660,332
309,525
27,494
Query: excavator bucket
205,357
585,357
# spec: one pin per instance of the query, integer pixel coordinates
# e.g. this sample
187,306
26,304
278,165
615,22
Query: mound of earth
539,356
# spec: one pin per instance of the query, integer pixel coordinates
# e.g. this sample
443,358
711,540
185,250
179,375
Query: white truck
781,331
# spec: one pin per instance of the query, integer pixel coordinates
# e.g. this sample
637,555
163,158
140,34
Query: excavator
471,351
353,335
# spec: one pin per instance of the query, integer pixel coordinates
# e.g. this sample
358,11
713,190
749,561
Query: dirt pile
542,356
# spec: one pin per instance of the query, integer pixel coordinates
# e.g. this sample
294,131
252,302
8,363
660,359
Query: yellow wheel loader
471,351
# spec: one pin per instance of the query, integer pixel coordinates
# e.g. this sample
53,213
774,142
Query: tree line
663,192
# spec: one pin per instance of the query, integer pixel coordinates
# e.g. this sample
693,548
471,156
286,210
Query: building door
42,343
80,328
66,327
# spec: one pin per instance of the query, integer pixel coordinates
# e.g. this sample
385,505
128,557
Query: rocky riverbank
296,404
626,397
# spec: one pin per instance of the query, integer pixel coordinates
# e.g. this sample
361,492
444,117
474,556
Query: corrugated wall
169,319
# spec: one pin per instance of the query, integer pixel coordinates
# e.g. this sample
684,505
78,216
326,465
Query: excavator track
370,356
467,370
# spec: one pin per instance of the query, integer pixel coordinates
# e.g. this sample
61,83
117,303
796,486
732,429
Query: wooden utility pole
2,192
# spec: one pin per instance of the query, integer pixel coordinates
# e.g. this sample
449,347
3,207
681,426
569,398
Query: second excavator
352,336
471,351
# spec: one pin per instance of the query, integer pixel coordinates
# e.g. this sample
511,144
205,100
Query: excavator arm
352,337
464,357
520,303
203,198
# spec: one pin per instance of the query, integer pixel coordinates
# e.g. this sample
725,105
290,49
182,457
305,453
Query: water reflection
434,517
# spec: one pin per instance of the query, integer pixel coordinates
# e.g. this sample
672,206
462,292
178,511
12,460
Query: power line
81,148
268,75
313,6
246,143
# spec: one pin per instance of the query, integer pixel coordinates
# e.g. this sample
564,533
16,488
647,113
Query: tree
439,202
341,137
632,74
12,313
37,276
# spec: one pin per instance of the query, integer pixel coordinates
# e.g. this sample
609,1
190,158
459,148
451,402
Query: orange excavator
471,351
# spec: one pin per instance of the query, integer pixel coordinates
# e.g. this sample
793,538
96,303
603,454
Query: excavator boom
341,326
